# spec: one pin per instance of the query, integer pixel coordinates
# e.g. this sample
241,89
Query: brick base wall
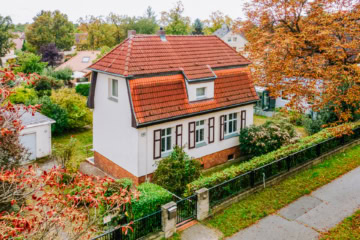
220,157
115,170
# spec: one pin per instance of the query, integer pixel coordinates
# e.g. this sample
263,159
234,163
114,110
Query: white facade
41,134
235,40
133,149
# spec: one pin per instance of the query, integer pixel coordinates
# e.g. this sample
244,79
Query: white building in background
36,136
235,40
153,92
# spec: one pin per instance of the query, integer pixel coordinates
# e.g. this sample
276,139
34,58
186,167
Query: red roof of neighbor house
163,97
195,56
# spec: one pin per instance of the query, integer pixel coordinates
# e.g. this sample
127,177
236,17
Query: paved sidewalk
308,216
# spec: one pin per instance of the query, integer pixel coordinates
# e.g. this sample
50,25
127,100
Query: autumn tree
215,21
307,51
5,35
174,21
50,27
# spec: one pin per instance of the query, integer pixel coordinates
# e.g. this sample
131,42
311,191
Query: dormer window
200,93
85,59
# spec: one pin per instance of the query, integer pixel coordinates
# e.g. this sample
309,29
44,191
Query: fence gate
186,210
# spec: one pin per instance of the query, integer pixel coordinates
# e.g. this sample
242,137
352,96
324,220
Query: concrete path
308,216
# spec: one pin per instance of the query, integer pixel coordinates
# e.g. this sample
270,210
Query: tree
176,171
198,27
50,54
58,202
216,21
308,50
29,63
5,35
175,23
51,27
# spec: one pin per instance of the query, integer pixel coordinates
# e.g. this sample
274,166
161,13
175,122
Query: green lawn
84,140
249,210
349,229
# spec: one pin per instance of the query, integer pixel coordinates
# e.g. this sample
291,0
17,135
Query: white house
155,91
235,40
36,136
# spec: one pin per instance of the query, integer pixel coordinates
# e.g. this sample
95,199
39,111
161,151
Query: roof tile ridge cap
116,47
127,59
227,45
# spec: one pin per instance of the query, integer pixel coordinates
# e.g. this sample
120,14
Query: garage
36,135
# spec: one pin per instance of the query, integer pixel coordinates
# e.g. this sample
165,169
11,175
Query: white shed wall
43,138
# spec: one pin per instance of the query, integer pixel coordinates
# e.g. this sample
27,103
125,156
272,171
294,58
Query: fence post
252,178
168,219
203,204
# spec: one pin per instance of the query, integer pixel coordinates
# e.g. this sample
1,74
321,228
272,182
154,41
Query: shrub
12,153
64,153
83,89
45,84
23,95
54,111
259,161
75,105
258,140
151,198
29,63
176,170
62,74
313,126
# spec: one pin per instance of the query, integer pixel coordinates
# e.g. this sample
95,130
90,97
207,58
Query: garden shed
36,136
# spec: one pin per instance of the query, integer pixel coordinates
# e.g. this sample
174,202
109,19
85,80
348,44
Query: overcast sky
22,11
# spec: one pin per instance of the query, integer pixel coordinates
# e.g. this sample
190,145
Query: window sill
231,135
113,99
165,154
198,145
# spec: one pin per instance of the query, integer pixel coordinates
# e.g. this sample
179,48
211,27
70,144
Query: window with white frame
229,39
165,140
230,123
85,59
200,132
200,93
114,88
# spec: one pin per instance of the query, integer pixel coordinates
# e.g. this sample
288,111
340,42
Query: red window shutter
157,144
211,133
179,135
243,119
191,135
222,123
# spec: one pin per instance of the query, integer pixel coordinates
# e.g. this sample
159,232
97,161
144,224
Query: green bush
54,111
83,89
45,84
176,170
23,95
313,126
75,105
259,161
258,140
29,63
151,198
62,74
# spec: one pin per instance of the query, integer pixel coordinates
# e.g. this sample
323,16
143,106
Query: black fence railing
186,210
246,181
139,228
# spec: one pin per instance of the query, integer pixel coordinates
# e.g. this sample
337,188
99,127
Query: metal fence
246,181
186,210
139,228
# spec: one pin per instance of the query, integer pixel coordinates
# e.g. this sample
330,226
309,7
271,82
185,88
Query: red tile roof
148,54
163,97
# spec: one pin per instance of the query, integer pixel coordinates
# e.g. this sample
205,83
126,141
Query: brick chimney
131,33
161,33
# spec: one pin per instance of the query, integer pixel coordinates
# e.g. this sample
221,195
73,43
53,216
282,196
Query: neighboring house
36,136
18,42
155,91
235,40
79,63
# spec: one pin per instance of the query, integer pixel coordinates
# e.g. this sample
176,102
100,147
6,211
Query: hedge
233,171
152,196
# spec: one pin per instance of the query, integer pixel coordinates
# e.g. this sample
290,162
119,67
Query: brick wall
115,170
220,157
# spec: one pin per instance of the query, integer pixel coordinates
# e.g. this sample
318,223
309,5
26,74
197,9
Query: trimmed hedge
83,89
152,196
259,161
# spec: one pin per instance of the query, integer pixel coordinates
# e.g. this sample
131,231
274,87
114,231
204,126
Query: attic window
200,93
85,59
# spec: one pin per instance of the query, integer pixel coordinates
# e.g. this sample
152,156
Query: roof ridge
127,59
227,45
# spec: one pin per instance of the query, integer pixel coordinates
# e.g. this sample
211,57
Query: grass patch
84,138
346,230
259,120
249,210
